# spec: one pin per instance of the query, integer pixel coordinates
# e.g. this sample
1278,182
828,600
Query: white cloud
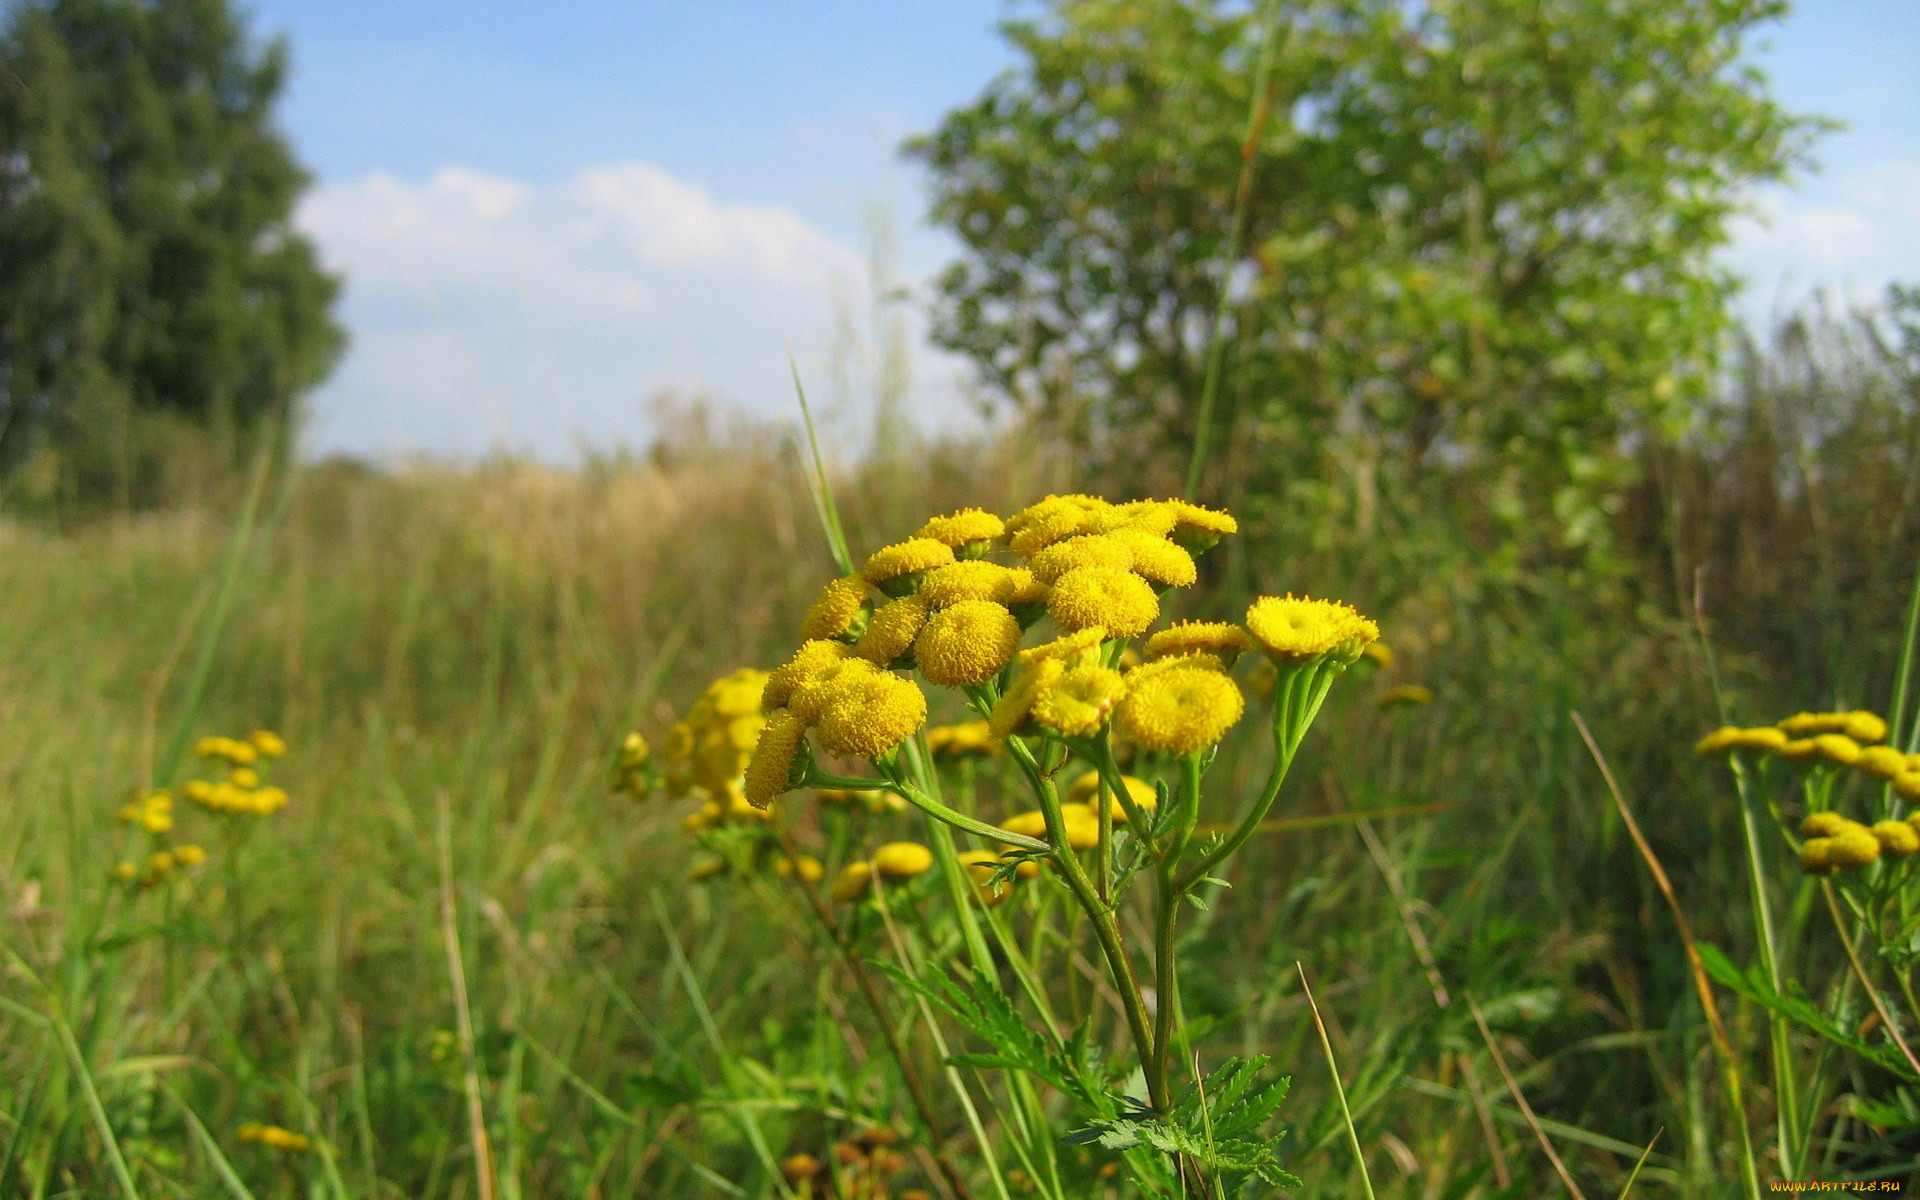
1851,235
486,310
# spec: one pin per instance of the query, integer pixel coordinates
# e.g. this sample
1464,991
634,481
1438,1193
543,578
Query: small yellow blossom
1863,726
1083,826
706,868
809,867
867,715
1881,762
770,771
1765,739
189,855
1028,592
1379,653
1220,638
852,882
1838,748
1085,550
268,743
1404,694
969,739
1822,824
839,603
633,752
1294,631
960,528
1816,856
1906,785
1144,796
967,643
124,870
1719,743
1103,597
1040,525
1200,528
1155,517
1897,838
974,579
1802,752
1853,846
244,777
238,753
1013,711
902,561
891,632
1157,560
902,860
1078,702
1180,710
1069,650
809,662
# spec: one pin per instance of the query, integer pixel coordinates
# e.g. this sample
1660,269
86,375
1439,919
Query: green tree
148,263
1477,234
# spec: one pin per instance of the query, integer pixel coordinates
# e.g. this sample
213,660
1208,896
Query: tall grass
475,640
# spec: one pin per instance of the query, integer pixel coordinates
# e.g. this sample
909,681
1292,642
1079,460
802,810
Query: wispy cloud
1850,235
488,310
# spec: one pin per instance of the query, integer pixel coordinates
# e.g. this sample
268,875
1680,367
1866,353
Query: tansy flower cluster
242,792
1837,844
274,1137
1832,741
707,750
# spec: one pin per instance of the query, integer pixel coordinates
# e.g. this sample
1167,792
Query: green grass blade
1635,1173
221,1166
817,484
1902,733
1339,1089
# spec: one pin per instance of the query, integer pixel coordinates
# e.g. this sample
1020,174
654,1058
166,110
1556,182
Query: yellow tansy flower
1089,597
902,860
903,560
1822,824
1897,838
1219,638
809,867
974,579
1766,738
124,870
839,603
1140,791
189,855
1300,630
852,882
1838,748
770,771
1906,785
1179,710
244,777
1012,712
1083,826
1032,823
1405,693
1086,550
1854,846
1881,762
1079,702
267,743
1157,560
1816,856
957,529
1720,742
1154,517
866,716
1069,650
891,631
967,739
1200,528
810,661
1863,726
1802,752
967,643
1379,653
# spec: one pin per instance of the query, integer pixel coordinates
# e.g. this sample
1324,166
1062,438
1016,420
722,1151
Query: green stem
906,790
1787,1105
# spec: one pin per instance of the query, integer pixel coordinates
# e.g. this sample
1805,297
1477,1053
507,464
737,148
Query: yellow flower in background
1822,824
244,777
810,661
969,739
1766,739
809,867
1720,742
1854,846
1143,794
1897,838
902,561
268,743
1078,702
1295,631
771,768
706,868
865,716
1155,559
238,753
852,883
1261,679
1838,748
1222,639
1802,752
969,525
1906,785
840,602
152,810
974,579
1404,694
1378,653
1179,710
1199,528
1082,550
902,860
633,752
124,871
891,632
1103,597
1863,726
189,855
1880,762
273,1136
967,643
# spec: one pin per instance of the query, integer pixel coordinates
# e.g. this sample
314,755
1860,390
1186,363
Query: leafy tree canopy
147,257
1473,233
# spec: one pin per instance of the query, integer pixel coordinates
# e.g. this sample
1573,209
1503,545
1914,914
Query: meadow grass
459,965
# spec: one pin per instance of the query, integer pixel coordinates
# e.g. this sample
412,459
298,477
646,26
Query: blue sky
550,213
